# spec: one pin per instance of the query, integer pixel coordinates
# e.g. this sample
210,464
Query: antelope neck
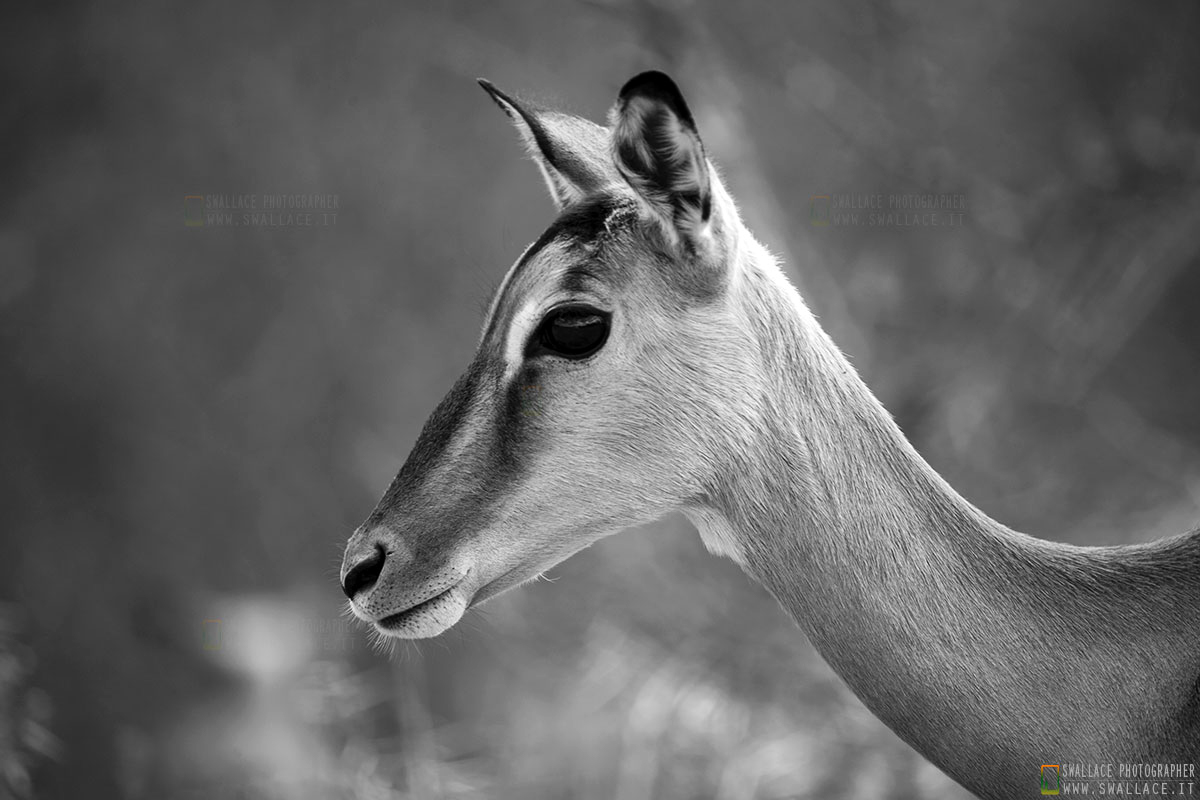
900,582
938,617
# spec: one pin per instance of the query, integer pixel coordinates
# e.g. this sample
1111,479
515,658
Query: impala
646,354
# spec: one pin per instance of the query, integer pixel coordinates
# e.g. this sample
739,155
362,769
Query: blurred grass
194,420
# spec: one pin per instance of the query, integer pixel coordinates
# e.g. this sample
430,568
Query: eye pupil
574,332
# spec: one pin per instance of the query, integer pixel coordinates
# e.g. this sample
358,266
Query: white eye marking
491,314
518,333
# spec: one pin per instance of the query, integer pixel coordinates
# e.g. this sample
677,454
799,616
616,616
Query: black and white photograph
600,400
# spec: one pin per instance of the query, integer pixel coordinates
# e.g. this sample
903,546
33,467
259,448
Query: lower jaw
509,580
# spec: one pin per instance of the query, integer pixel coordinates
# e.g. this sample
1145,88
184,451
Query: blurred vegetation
194,419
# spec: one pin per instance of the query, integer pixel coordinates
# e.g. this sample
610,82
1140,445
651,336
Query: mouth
427,618
437,614
401,620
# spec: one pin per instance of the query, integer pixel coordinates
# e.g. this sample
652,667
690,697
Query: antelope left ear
658,151
571,152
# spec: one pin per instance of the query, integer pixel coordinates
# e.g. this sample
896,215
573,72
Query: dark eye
572,331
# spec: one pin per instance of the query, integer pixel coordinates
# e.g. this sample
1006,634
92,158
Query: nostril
363,574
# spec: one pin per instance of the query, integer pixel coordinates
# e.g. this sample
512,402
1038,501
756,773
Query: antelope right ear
658,151
571,152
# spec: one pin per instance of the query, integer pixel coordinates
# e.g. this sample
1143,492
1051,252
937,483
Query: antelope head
606,387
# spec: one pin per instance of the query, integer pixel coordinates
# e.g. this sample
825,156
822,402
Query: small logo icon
818,209
210,634
1051,778
532,392
193,210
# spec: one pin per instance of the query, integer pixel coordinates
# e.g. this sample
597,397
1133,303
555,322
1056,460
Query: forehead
575,253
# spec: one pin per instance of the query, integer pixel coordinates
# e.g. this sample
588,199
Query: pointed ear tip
488,87
652,83
657,88
498,97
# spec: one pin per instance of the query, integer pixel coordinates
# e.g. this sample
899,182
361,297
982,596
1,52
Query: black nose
363,574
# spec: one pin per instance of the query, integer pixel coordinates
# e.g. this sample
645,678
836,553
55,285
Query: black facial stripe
515,428
439,430
493,463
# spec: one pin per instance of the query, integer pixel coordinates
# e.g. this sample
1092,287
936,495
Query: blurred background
195,415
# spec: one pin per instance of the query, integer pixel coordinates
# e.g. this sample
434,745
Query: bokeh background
194,418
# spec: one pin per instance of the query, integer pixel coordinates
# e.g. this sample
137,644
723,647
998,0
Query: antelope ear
658,151
571,152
